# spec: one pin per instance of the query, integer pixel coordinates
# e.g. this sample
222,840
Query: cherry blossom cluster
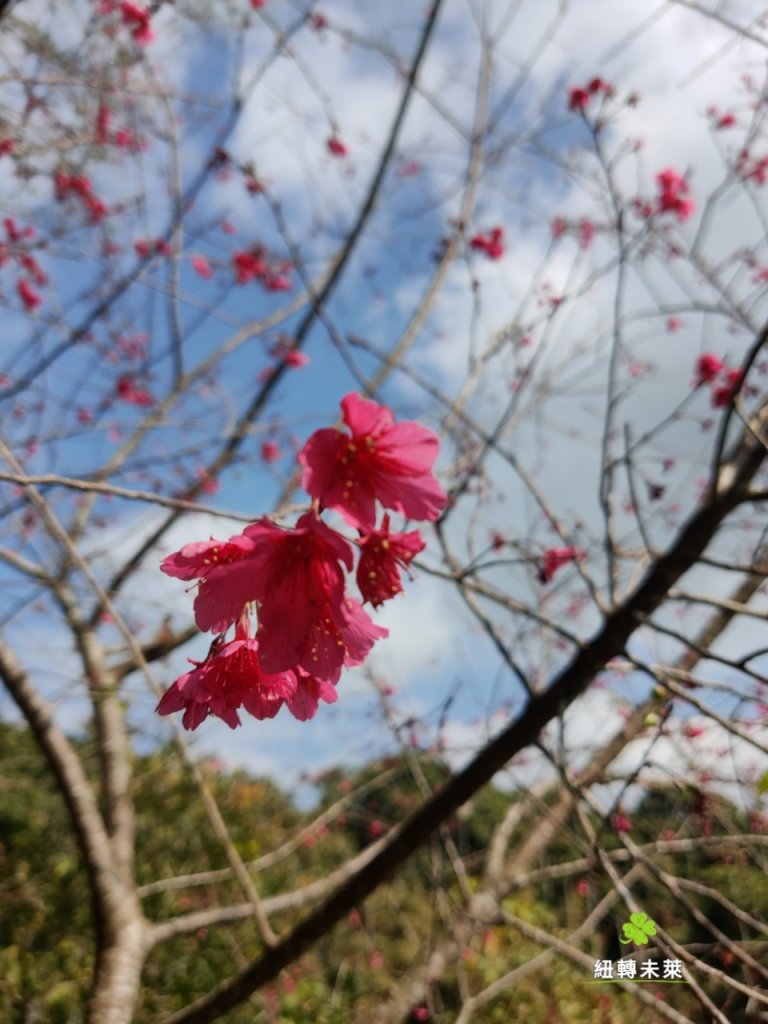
336,147
673,197
284,590
555,558
673,194
254,265
723,381
491,244
135,17
582,229
123,138
580,96
751,168
15,250
79,186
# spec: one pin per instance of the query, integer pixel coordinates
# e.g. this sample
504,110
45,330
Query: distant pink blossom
103,117
708,366
336,147
209,484
726,121
278,283
558,227
127,390
138,18
201,266
270,451
599,85
296,359
491,244
555,558
724,394
31,298
249,265
586,232
673,194
33,268
578,98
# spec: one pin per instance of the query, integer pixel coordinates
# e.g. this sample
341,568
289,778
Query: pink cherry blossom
208,484
336,147
226,585
270,451
309,691
15,233
138,19
278,283
305,619
129,392
558,226
671,181
673,194
726,121
103,118
296,359
723,395
586,233
578,98
708,366
201,266
600,85
382,554
620,822
556,558
491,244
31,298
97,208
33,268
249,265
230,678
379,460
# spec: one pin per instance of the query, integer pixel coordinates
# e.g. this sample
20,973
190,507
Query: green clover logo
638,929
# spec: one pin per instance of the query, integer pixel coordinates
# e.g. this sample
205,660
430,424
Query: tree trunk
117,975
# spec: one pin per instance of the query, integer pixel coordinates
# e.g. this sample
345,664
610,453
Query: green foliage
46,945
